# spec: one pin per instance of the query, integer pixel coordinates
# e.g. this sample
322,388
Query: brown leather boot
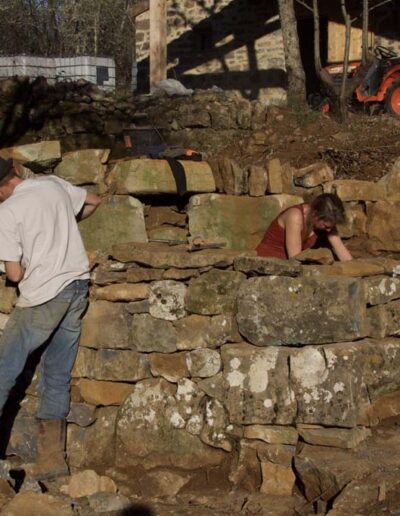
50,462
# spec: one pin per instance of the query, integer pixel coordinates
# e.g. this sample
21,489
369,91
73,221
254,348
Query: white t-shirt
38,228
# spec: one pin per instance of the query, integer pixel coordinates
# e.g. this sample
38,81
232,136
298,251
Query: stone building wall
213,366
235,45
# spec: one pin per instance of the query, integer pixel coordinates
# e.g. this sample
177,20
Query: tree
68,28
294,66
345,90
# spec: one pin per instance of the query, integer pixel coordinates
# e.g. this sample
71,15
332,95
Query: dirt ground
363,147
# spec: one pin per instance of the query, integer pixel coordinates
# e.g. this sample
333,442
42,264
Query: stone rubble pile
214,366
82,115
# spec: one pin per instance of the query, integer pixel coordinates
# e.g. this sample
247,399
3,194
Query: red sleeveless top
273,243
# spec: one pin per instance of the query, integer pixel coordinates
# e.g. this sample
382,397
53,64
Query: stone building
237,44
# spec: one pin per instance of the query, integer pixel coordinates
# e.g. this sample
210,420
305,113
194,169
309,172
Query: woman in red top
296,228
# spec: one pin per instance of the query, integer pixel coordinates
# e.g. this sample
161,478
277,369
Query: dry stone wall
196,360
233,45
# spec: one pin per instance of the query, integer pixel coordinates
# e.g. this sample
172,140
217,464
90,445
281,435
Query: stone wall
200,365
234,45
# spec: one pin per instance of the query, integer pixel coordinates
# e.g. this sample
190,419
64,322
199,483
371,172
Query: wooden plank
139,8
336,41
158,41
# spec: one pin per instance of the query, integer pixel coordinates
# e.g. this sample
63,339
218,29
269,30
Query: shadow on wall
237,26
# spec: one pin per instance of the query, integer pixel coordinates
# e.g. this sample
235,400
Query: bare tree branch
304,4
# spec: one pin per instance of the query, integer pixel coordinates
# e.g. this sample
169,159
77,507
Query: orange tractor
380,86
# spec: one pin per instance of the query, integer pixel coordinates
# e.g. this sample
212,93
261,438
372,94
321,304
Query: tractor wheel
392,99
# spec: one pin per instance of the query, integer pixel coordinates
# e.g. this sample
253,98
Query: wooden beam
158,41
139,8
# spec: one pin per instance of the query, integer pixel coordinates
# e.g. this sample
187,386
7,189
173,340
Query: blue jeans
57,322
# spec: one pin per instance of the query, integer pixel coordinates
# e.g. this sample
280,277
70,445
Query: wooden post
158,41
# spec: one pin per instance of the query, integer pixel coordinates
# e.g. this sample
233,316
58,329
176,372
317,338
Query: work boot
50,462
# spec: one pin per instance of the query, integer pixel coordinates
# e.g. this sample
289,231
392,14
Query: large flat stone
93,446
154,176
82,167
37,156
276,310
356,190
117,220
214,292
165,257
240,222
382,226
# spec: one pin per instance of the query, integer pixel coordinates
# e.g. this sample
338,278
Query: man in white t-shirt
43,252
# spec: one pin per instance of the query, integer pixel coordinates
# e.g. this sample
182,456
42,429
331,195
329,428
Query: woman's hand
339,248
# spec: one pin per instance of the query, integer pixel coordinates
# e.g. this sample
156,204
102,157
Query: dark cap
6,166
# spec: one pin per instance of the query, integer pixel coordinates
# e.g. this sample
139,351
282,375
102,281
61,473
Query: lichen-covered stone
257,385
381,289
335,384
290,311
214,292
214,429
203,363
384,320
149,433
167,300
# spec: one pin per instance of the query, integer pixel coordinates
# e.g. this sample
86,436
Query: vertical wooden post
158,41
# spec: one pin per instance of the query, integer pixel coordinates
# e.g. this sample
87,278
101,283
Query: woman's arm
339,248
293,228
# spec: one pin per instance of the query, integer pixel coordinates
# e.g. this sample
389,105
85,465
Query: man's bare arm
14,271
90,205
